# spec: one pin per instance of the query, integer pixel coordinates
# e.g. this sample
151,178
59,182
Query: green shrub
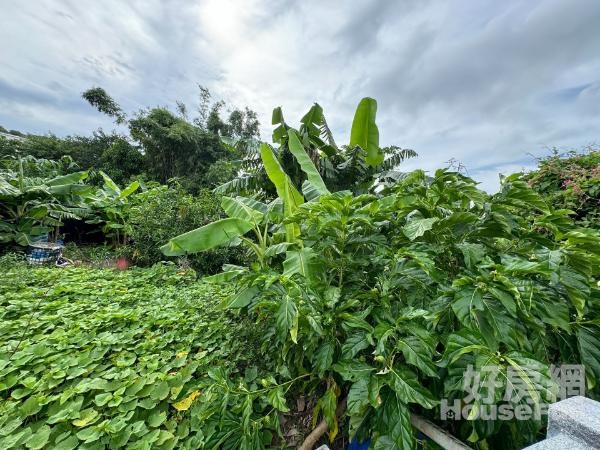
571,181
164,211
383,303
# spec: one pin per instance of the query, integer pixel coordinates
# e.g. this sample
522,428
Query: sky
490,84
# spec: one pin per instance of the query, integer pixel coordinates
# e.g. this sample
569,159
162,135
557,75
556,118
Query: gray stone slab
559,442
577,417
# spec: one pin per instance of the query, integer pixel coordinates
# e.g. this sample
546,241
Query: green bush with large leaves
39,195
111,206
381,302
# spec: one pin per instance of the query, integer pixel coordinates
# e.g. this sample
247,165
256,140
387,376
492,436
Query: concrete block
559,442
578,417
573,423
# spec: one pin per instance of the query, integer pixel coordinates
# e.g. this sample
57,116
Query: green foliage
129,366
10,260
220,172
38,195
570,181
358,167
162,211
364,131
384,300
121,161
239,125
108,152
162,144
99,99
207,237
35,197
97,256
174,147
313,178
111,206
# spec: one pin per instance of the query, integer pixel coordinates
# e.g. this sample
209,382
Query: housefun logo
507,393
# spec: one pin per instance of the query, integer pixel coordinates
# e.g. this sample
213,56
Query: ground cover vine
95,358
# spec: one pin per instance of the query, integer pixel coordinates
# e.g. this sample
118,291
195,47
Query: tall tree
175,145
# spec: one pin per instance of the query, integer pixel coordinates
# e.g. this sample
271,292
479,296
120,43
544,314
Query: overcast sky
486,82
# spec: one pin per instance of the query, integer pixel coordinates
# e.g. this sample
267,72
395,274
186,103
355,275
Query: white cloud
483,82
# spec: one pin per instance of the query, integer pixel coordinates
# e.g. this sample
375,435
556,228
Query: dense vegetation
571,181
376,305
165,165
41,197
161,144
98,358
159,212
353,295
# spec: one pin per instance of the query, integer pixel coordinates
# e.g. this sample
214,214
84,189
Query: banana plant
365,133
304,145
34,205
112,204
356,166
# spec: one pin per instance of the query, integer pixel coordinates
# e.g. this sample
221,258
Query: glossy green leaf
588,338
417,227
285,189
276,249
393,424
110,183
242,298
287,316
209,236
68,179
410,390
160,391
68,443
39,438
463,342
306,164
354,344
353,370
276,398
300,262
365,133
244,209
130,189
358,396
417,353
324,357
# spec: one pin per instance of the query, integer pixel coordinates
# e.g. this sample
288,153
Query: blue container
355,445
43,253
